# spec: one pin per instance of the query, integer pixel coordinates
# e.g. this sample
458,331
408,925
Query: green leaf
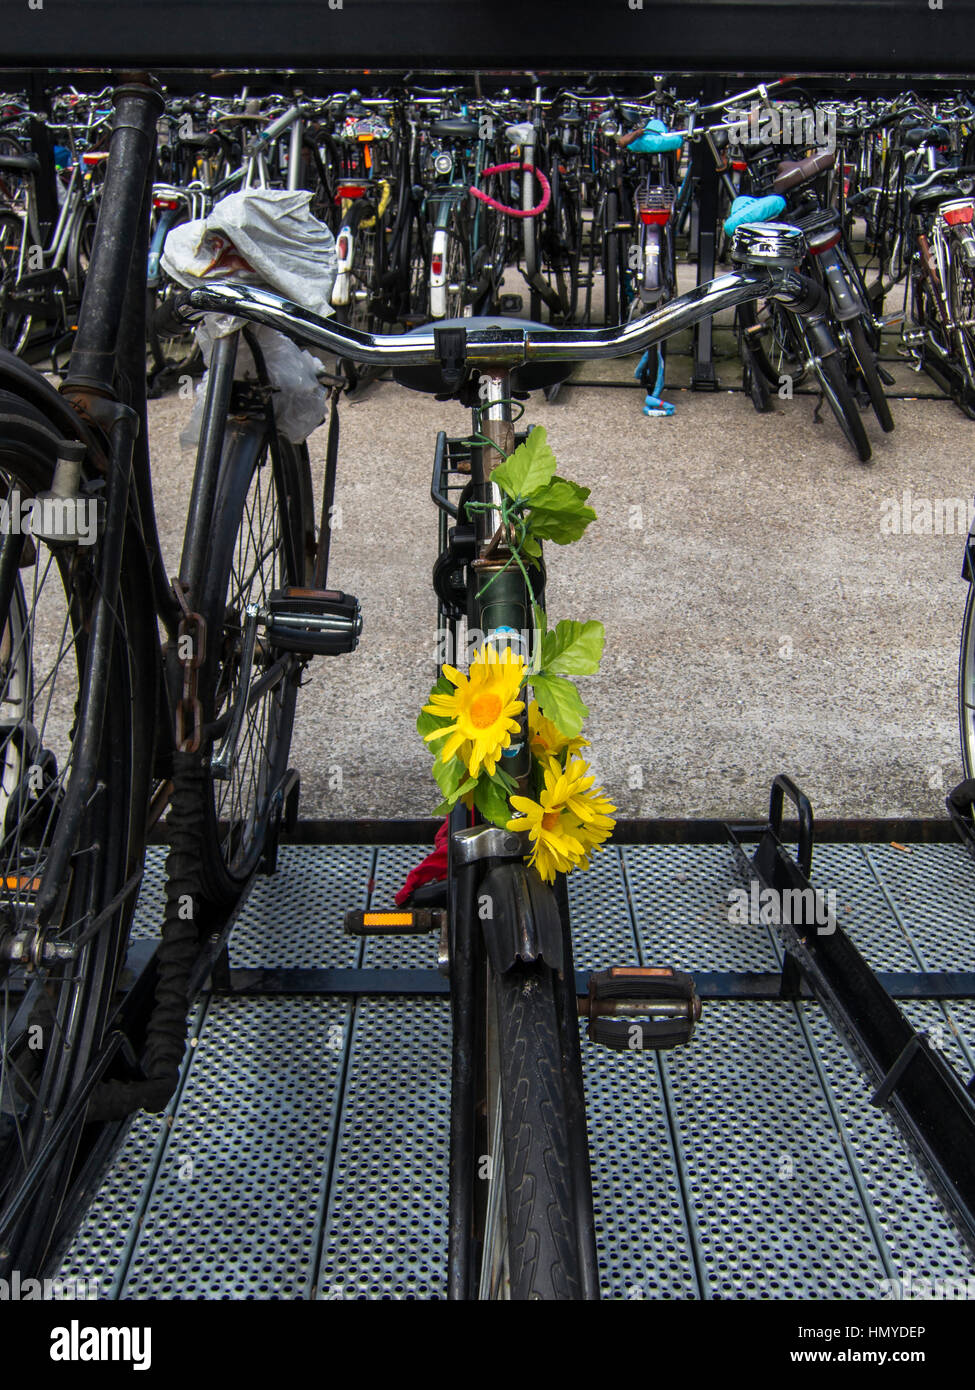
530,466
504,779
558,513
491,800
531,548
581,492
560,701
426,723
449,776
573,649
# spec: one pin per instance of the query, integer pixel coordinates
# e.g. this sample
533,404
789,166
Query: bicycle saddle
455,128
748,209
208,141
792,172
656,139
929,198
520,134
530,376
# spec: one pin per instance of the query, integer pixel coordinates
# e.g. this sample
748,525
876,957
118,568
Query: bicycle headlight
443,163
768,244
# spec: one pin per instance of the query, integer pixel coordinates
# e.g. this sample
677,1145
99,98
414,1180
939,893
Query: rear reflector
826,245
739,165
651,218
350,190
170,204
436,264
343,248
957,213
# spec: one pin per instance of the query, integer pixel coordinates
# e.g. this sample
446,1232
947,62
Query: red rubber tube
503,207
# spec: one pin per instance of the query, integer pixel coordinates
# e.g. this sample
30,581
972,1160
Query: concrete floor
758,619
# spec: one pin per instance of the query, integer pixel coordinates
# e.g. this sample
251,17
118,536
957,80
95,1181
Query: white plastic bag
299,399
261,237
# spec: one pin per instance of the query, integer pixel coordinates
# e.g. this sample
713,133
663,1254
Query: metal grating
102,1246
932,888
308,1158
916,1236
386,1228
641,1231
772,1202
862,909
234,1211
679,897
294,917
149,905
602,933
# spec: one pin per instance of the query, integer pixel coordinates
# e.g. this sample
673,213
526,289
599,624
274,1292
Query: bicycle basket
655,203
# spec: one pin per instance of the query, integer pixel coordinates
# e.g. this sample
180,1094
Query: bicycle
105,727
521,1222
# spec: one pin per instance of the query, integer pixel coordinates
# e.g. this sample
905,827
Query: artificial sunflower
482,709
567,821
547,740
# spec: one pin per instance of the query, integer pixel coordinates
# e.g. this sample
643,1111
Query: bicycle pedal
401,922
640,1008
323,622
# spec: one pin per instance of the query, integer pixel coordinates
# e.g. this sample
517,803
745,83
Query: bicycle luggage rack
932,1108
655,202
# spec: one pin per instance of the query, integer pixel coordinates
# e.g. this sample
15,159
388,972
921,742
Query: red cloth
431,870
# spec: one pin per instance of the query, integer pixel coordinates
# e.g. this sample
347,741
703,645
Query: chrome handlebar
496,346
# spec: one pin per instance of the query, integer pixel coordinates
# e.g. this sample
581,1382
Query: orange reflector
618,970
387,919
20,883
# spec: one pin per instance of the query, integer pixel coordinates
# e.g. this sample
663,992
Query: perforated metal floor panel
305,1154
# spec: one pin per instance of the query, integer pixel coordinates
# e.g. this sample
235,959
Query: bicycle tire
866,362
611,267
233,841
836,389
966,686
69,1001
541,1239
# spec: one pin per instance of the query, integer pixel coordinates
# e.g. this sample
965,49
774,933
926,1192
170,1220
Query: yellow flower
547,740
482,710
567,822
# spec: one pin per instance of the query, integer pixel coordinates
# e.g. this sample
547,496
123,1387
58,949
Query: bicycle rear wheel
261,539
54,1018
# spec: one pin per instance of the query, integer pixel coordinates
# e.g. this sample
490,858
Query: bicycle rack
933,1109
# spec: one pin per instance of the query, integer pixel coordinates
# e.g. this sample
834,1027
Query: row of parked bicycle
446,203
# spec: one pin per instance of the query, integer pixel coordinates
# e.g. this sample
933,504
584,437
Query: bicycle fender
846,304
520,919
651,261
